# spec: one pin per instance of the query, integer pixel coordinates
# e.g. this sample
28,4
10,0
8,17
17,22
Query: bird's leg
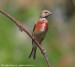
21,28
34,38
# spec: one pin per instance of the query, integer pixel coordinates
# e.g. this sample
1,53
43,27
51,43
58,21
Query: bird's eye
45,12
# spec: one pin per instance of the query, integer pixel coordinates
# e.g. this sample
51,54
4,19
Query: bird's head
45,13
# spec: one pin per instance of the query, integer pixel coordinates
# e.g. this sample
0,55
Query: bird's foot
20,28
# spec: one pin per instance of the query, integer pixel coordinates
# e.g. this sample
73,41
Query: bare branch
22,27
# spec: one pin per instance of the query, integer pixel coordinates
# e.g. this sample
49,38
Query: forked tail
33,53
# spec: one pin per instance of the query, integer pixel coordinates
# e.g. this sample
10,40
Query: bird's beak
50,13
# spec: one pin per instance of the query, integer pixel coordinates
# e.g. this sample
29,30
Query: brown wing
34,27
33,32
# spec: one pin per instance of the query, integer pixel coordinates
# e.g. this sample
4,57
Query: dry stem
22,27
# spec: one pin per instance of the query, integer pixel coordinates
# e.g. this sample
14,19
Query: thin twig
22,27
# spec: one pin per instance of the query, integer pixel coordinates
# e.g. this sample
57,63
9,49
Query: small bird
39,31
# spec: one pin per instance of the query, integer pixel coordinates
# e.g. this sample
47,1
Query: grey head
45,13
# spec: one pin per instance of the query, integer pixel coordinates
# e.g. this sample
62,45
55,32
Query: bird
39,31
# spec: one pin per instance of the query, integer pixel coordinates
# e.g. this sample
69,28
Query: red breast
41,25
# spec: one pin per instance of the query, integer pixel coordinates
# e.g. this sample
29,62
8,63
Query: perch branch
23,28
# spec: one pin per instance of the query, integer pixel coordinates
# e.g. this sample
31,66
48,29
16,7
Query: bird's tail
33,53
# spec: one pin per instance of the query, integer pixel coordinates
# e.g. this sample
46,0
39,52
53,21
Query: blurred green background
15,46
